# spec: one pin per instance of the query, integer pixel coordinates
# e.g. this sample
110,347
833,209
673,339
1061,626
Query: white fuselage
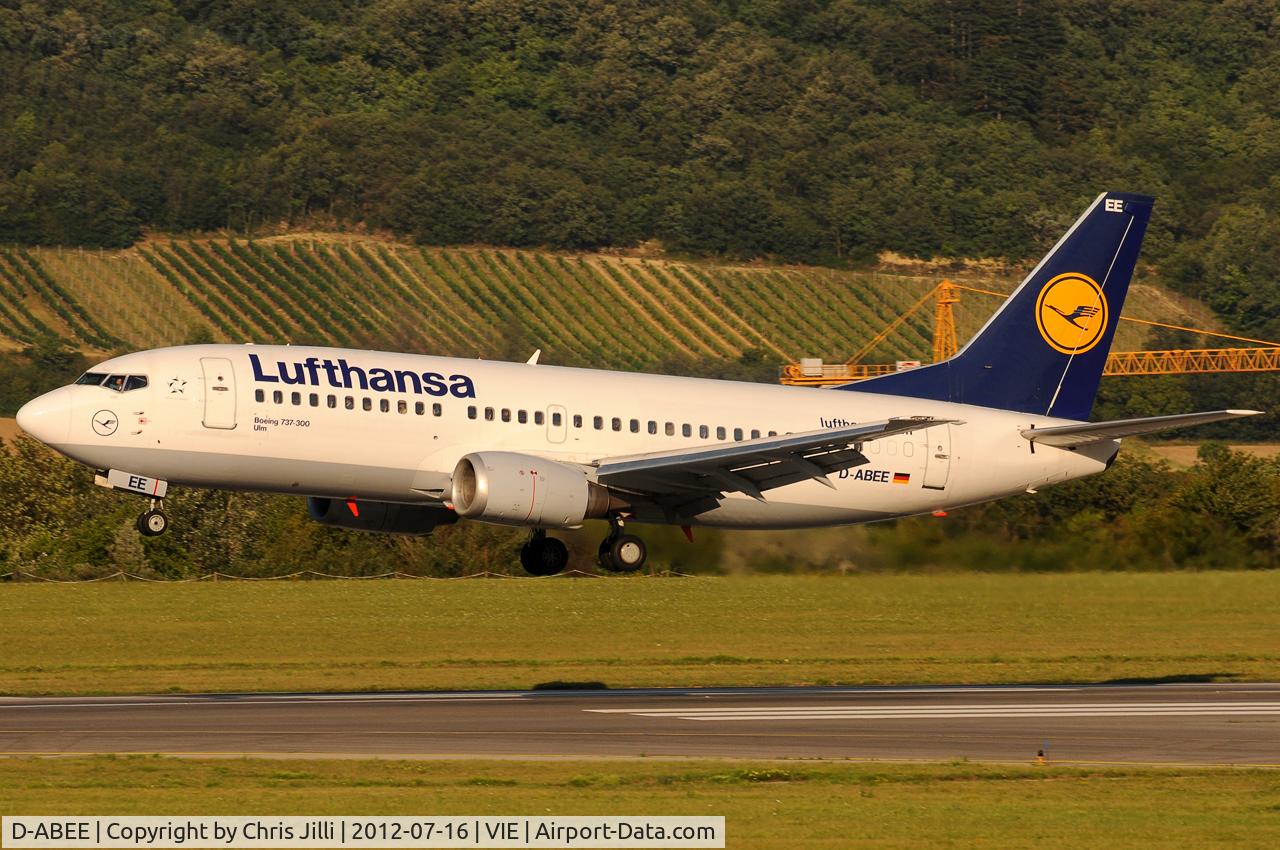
210,416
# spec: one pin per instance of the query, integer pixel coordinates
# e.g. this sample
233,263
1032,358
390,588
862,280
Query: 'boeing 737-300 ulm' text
400,443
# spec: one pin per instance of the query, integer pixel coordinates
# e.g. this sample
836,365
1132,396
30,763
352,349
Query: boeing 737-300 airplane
403,443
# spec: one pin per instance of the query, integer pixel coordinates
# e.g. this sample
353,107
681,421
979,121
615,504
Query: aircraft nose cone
48,418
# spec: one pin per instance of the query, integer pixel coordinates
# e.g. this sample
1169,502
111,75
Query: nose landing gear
622,553
153,522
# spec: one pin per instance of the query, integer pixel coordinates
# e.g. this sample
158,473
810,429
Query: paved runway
1167,723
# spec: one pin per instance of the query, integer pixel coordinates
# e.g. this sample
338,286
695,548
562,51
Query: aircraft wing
683,476
1096,432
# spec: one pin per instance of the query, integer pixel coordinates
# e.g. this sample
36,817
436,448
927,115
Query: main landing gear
542,555
622,553
545,556
153,521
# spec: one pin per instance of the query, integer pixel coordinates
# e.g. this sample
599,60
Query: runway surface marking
1185,723
926,712
891,689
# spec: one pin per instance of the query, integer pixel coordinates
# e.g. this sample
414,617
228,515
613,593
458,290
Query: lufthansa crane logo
1071,313
105,423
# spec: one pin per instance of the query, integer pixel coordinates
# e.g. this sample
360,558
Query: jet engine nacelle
509,488
382,517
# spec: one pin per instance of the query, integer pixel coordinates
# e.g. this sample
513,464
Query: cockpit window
119,383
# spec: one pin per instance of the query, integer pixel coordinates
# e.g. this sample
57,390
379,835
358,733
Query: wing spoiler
1084,433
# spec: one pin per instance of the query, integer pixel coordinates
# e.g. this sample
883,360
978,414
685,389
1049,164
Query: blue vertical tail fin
1043,351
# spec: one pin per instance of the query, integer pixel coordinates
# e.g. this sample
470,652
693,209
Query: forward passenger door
219,393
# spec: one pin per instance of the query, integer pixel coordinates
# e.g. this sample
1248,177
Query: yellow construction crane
1265,357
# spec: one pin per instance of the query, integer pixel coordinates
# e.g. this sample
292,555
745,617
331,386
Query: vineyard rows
588,310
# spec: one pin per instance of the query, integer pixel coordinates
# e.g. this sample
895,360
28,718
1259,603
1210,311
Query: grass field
604,310
650,631
521,633
766,805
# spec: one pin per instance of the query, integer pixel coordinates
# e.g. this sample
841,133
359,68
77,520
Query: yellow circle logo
1071,313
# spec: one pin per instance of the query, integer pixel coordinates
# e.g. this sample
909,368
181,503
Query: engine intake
378,517
510,488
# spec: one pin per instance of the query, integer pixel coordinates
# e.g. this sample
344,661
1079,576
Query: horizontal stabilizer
1097,432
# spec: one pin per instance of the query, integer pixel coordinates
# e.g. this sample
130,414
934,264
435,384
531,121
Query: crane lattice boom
1264,358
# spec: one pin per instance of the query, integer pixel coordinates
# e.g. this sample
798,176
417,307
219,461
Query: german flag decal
901,478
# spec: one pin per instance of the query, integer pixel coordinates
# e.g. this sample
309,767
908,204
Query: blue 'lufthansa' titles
341,375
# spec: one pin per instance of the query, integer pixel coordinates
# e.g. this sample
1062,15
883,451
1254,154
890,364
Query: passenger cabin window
670,428
366,403
332,401
437,409
616,423
295,398
635,426
755,434
349,403
703,432
720,433
419,408
506,414
538,417
597,422
314,399
557,419
737,433
522,416
402,406
278,396
471,411
577,420
653,427
686,430
384,405
259,395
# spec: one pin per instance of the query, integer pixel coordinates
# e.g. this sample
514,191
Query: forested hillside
821,131
189,144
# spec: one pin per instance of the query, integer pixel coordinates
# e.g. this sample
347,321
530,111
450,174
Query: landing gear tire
544,556
623,553
153,523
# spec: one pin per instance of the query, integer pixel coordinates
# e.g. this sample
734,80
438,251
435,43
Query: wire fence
313,575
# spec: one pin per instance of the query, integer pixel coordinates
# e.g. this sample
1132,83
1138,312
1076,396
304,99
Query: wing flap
1066,436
